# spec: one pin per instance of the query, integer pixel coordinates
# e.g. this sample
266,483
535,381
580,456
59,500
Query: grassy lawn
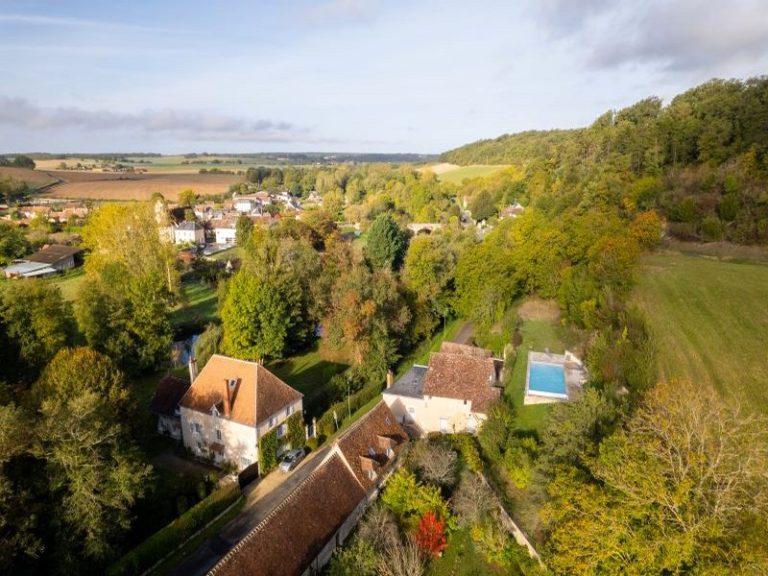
537,335
199,305
69,283
309,373
421,354
461,558
457,176
710,322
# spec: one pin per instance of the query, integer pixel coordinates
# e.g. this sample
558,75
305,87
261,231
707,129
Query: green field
460,174
710,322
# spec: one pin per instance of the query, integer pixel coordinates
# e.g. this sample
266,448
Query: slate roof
167,395
463,373
364,444
410,384
53,254
289,539
257,394
189,225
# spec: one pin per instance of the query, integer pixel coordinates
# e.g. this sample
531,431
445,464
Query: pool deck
574,371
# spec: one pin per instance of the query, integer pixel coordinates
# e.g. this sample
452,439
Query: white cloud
198,125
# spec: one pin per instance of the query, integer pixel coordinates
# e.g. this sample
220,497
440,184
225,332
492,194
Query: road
261,497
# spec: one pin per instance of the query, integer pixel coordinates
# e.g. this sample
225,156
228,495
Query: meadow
457,174
709,319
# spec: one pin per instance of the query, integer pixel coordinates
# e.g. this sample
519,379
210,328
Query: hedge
167,539
326,424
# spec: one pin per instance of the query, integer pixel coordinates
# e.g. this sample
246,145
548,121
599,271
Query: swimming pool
546,380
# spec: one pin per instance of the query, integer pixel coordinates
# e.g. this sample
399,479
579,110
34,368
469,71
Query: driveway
261,497
465,333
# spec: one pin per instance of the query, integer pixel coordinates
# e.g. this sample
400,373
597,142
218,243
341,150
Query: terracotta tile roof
290,538
464,373
167,395
256,395
366,442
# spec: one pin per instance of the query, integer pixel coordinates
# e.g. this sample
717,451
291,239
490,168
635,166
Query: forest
700,160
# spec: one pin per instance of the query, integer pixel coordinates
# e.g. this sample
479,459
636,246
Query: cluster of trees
437,493
18,161
69,471
12,190
702,160
71,475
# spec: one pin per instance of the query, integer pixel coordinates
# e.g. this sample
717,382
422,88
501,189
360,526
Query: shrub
154,548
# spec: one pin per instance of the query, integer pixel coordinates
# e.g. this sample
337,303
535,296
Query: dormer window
389,452
371,475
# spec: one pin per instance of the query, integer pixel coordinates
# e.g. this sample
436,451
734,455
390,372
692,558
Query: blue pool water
548,378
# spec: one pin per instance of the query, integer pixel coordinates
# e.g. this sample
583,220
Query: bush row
326,424
154,548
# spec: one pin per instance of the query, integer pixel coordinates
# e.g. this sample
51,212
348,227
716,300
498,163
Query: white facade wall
196,236
246,205
225,235
434,414
278,419
241,442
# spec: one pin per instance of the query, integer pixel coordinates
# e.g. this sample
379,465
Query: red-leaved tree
430,535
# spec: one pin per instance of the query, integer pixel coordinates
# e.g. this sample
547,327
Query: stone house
451,394
230,406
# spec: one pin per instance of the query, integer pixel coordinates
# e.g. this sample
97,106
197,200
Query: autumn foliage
430,535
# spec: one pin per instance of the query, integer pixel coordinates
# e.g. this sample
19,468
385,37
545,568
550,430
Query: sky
416,76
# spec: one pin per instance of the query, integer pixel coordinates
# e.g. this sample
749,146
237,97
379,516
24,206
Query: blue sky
348,75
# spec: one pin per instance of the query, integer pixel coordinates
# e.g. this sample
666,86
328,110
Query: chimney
390,378
227,399
192,369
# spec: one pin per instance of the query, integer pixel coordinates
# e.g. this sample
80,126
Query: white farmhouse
189,233
225,230
230,405
452,394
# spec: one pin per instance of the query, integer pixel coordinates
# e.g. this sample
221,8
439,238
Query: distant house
165,405
299,536
26,269
58,257
511,211
452,394
189,232
230,405
248,204
225,230
46,262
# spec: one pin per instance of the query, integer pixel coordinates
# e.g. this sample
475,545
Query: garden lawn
710,323
69,283
309,373
537,335
198,306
